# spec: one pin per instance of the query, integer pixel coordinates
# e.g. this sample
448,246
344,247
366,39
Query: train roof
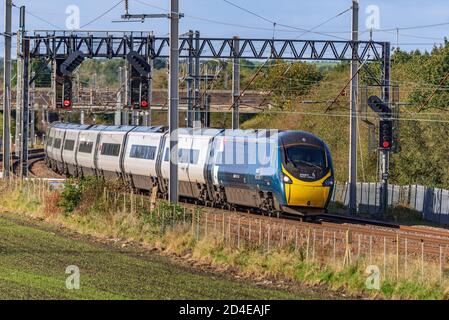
158,129
287,136
70,126
207,132
295,136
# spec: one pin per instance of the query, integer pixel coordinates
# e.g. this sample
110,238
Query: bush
75,190
70,196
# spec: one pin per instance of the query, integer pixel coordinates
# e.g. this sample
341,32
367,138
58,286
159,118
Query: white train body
140,157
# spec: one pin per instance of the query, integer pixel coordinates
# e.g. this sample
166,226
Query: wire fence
431,203
397,255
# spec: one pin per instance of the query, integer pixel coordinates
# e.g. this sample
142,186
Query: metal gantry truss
53,44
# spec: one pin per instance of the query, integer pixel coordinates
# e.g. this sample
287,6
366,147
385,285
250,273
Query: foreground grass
98,213
33,261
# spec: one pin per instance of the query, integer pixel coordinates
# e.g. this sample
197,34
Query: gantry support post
25,106
385,154
354,113
7,91
173,115
235,84
196,77
189,117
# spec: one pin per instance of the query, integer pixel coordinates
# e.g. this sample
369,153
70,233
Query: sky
217,18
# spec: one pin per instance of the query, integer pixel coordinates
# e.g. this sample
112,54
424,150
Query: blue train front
267,170
275,171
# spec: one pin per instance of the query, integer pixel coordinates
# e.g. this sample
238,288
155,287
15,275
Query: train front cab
307,173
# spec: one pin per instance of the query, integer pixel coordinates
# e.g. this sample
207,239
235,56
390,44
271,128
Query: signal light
139,63
67,93
144,92
386,134
73,61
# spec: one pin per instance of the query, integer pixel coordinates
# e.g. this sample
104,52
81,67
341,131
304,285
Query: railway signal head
67,93
144,104
386,134
378,106
73,61
144,93
139,63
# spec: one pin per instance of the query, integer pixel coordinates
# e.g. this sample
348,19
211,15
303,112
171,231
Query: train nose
307,196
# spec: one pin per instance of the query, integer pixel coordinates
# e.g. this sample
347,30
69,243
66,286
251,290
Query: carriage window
85,146
110,149
57,143
143,152
69,145
49,141
188,156
185,155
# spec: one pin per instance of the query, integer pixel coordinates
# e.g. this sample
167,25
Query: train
266,170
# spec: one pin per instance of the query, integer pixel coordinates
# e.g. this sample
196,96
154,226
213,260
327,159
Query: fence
398,256
432,203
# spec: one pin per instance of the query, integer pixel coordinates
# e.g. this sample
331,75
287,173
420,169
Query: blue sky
294,13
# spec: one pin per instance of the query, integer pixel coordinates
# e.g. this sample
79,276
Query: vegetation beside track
93,208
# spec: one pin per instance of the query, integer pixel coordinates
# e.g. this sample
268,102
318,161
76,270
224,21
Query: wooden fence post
397,256
347,258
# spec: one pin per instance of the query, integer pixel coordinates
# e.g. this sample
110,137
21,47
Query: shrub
76,191
70,196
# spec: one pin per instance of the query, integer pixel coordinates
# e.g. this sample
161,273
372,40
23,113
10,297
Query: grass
33,260
99,213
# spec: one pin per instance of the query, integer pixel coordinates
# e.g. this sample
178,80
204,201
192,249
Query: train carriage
140,160
87,150
70,144
193,155
110,144
271,171
57,137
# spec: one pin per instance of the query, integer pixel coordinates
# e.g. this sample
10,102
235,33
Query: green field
34,257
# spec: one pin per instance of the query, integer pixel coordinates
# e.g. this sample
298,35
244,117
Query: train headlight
329,182
286,179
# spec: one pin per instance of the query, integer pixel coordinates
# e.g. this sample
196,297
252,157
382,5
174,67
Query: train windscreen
305,161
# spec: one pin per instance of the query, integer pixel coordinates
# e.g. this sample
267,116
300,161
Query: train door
185,156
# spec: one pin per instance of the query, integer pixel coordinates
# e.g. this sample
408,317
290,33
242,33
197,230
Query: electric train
266,170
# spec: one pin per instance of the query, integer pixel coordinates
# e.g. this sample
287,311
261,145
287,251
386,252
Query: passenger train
273,172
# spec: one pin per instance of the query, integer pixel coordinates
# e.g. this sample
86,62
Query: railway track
418,239
34,156
376,229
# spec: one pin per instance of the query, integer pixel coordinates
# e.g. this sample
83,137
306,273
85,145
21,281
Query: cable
272,90
416,27
37,17
279,24
224,22
249,84
323,23
250,12
346,85
433,93
102,15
